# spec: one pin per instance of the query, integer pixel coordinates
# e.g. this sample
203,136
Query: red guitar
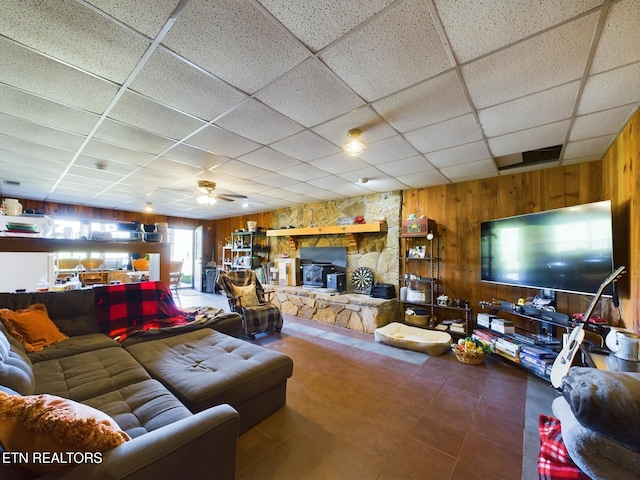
563,361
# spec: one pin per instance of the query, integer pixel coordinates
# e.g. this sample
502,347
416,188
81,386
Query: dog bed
399,335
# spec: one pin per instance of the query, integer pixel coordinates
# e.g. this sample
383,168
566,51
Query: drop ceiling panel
338,163
463,154
533,110
394,50
531,66
310,94
599,123
222,142
240,169
72,33
306,146
372,125
477,28
33,73
337,17
430,102
611,89
143,113
400,167
12,145
302,172
194,156
216,36
269,159
590,147
620,37
423,179
107,152
532,139
172,82
469,171
147,17
389,149
176,169
116,133
258,122
447,134
39,134
45,112
112,166
329,182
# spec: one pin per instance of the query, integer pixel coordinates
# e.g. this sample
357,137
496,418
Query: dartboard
362,280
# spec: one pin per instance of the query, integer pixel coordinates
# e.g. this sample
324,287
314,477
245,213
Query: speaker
336,281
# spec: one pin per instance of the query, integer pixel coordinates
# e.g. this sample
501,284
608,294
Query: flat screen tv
566,250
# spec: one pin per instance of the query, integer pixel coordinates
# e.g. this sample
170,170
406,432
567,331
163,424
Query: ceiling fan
208,196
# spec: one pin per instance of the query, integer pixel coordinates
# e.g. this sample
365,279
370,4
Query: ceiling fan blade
222,197
232,195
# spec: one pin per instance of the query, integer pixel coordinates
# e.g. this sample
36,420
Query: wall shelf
350,230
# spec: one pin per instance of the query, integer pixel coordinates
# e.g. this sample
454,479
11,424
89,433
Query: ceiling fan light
206,200
149,207
354,146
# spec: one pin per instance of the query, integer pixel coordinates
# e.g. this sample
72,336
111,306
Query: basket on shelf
472,358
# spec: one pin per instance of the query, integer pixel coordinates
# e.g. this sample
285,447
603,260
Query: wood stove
315,274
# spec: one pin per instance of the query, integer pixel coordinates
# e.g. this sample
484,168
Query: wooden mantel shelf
350,230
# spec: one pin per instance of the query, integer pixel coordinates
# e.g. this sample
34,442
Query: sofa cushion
206,368
16,371
73,311
32,327
74,346
88,374
46,423
141,407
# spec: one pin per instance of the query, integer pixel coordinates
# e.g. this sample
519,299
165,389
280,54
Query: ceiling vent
530,158
11,183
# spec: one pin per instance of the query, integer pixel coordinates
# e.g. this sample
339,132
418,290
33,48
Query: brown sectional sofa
182,398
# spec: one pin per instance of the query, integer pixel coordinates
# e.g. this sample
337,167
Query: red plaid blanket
554,462
124,309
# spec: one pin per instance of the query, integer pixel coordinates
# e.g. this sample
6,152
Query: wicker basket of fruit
471,350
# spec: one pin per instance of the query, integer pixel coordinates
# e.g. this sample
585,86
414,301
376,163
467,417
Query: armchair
246,297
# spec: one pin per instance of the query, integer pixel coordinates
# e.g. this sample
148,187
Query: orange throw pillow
45,423
32,327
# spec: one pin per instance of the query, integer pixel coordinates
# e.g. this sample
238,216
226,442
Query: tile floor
357,409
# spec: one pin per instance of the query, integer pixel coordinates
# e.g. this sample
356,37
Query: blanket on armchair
125,309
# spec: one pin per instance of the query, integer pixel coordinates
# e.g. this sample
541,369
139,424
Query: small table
137,275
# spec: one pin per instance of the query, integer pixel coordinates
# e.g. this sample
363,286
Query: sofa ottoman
205,368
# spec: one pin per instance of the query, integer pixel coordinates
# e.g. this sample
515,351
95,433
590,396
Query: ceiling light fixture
149,207
354,146
206,200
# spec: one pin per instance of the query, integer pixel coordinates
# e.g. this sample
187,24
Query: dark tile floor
357,409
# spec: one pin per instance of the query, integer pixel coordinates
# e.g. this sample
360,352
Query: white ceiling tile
194,156
533,110
310,94
535,138
382,151
258,122
367,172
336,16
338,163
479,27
430,102
589,158
99,46
216,36
14,145
372,125
306,146
177,169
45,112
463,154
133,138
269,159
33,73
479,169
147,17
140,112
397,49
401,167
303,189
329,182
531,66
32,132
217,140
303,172
457,131
423,179
114,167
107,152
586,148
384,184
351,191
170,81
599,123
611,89
240,169
620,37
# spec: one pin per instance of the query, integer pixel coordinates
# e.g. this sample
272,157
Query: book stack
484,320
537,359
508,349
487,336
502,326
456,326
